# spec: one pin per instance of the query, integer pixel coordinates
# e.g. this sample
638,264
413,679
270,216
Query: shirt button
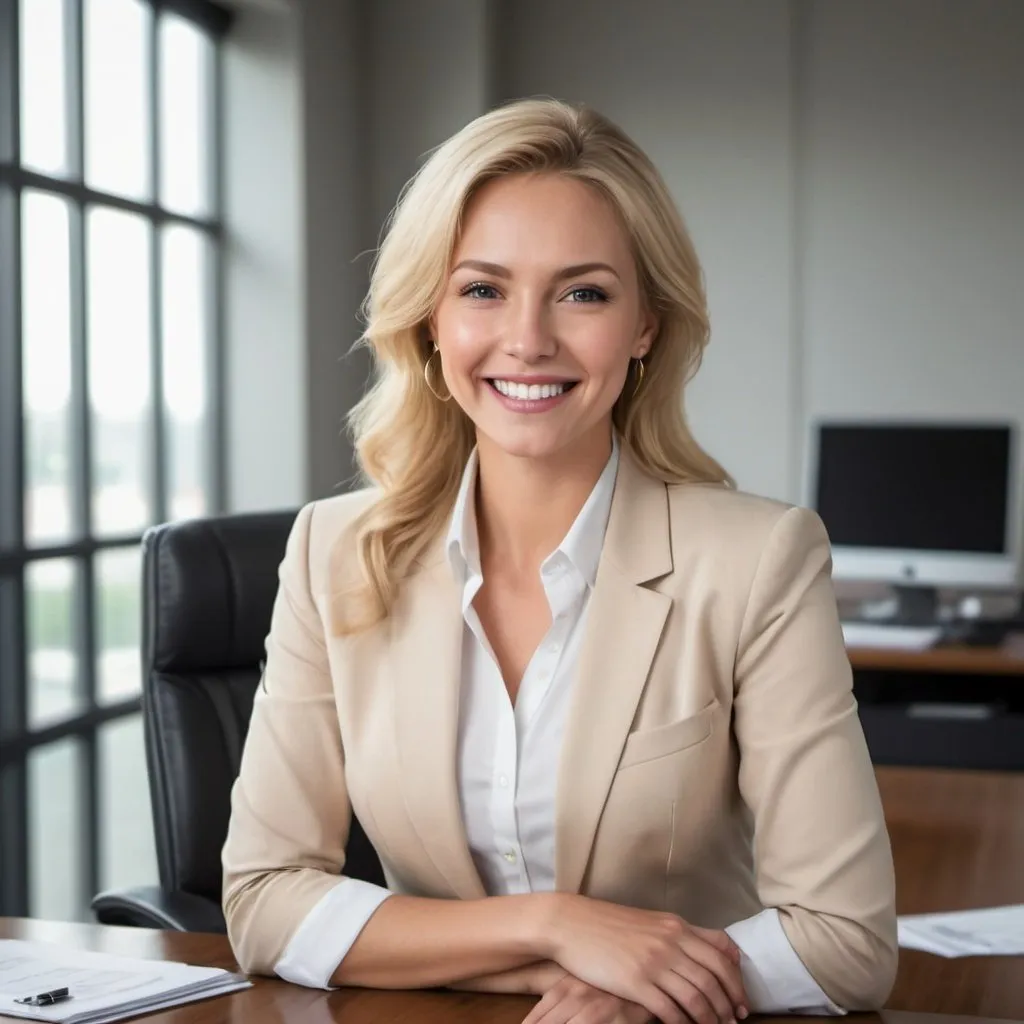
503,781
510,857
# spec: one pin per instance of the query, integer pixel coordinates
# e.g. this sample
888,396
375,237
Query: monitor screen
915,487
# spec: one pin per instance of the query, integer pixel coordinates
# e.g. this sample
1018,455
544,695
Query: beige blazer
713,762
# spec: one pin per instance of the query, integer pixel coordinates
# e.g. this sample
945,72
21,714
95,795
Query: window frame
17,738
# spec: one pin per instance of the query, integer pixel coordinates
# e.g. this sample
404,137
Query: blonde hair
412,446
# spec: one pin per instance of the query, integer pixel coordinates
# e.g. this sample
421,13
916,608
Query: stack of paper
989,932
94,988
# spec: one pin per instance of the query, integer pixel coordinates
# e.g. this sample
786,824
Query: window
110,409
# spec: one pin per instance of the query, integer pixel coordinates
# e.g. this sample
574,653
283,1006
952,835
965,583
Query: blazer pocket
648,744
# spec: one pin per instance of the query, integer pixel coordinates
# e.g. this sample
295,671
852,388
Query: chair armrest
149,906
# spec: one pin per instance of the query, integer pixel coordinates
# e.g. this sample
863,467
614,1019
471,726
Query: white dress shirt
507,768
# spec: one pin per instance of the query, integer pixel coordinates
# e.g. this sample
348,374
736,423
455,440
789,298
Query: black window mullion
216,387
73,98
158,450
13,667
13,676
79,192
85,589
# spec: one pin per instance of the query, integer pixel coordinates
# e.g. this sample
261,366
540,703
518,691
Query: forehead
541,218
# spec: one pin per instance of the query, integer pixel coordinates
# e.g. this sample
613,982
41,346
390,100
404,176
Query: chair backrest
209,588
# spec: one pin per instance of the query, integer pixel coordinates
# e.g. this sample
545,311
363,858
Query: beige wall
851,173
704,88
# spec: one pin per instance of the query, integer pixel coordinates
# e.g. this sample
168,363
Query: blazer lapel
424,655
624,625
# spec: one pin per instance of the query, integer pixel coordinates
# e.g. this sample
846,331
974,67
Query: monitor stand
915,606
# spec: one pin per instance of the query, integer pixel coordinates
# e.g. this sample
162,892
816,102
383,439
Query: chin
533,444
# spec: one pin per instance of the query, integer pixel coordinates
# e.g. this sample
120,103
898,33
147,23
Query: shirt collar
582,545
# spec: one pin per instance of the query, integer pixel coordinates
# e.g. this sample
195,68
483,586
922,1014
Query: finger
551,1008
602,1011
728,974
568,1009
691,999
634,1013
721,1006
720,940
660,1004
547,1001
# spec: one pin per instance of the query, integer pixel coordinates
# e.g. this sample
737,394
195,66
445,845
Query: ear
649,327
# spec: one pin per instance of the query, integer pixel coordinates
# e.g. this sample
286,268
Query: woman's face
540,316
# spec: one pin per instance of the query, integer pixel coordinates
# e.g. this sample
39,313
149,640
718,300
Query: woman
590,704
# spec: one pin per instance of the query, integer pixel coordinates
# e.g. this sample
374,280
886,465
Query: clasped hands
621,965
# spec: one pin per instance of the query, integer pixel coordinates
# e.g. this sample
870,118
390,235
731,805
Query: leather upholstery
209,588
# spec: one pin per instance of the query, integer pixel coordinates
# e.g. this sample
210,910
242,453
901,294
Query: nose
529,335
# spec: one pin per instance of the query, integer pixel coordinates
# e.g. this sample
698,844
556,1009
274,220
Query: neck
526,506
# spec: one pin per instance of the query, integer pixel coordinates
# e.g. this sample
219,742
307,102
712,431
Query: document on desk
61,985
994,931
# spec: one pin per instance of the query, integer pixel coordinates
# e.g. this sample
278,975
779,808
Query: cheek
602,348
463,336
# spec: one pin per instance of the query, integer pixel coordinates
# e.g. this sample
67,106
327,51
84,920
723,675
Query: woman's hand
676,971
571,1001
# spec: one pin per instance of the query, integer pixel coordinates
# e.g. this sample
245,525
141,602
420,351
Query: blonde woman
589,702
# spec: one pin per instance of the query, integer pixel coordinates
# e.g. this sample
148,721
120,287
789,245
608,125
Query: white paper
103,987
993,931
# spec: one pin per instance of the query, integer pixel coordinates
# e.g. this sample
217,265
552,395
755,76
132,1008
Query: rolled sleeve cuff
774,977
328,931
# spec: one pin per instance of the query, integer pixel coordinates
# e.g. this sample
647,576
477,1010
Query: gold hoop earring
428,373
639,376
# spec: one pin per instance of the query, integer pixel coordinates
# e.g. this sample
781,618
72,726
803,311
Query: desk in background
953,707
958,842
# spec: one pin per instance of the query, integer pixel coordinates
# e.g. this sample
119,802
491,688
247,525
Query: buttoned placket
564,588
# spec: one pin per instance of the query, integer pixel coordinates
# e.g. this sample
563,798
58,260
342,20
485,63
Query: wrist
543,924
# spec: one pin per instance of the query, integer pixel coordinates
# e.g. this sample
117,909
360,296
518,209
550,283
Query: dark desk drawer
946,721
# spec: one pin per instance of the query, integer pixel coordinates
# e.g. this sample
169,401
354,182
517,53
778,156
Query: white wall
265,319
852,174
330,107
429,73
912,253
336,229
704,88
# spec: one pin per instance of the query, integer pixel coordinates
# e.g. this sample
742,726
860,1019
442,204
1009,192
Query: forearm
425,943
532,980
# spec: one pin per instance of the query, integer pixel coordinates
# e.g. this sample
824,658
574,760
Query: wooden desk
958,842
275,1002
977,661
947,707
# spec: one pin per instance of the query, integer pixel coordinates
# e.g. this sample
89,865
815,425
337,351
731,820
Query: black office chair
208,593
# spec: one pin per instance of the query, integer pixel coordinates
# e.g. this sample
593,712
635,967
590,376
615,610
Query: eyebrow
497,270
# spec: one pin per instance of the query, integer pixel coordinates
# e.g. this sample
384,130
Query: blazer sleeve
290,812
822,852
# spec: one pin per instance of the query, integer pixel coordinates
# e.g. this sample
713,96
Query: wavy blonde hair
411,446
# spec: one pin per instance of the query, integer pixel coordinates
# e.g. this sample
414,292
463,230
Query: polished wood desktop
1005,660
958,842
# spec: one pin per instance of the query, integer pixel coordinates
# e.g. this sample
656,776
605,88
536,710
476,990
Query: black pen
56,995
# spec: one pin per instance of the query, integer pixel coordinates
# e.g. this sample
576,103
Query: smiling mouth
530,392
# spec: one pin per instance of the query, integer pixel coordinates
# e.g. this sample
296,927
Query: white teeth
528,392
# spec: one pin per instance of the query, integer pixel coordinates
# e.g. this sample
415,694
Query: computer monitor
919,506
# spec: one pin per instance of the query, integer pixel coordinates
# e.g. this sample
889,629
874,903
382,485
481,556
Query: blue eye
588,295
480,291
